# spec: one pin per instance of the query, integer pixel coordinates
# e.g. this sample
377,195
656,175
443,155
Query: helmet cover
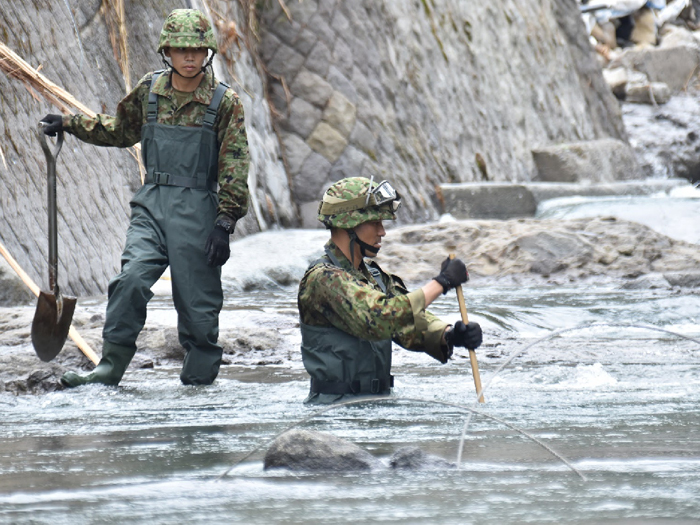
346,205
187,28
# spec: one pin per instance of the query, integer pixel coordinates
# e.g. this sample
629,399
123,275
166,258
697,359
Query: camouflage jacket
352,301
124,130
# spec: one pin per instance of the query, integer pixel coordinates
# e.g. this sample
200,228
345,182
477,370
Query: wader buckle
163,178
374,386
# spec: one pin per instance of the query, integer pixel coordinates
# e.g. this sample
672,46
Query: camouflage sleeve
121,130
233,159
425,333
329,294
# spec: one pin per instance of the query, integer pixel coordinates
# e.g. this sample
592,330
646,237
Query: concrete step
498,200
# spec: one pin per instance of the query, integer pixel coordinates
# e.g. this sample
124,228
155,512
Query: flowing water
620,403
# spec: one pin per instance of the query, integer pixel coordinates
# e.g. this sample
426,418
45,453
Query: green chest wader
342,365
172,215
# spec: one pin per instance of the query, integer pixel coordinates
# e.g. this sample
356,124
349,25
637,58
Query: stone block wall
423,92
95,184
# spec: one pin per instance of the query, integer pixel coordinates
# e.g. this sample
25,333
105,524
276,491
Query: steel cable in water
541,340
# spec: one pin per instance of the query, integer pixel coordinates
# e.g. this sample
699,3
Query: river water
620,403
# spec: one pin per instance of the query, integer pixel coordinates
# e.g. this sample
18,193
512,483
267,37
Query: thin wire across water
471,410
541,340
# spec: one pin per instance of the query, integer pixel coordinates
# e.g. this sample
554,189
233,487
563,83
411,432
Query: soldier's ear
166,51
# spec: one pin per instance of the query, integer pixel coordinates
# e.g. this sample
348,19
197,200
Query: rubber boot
115,359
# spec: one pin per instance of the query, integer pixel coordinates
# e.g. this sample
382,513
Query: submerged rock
413,458
649,281
302,450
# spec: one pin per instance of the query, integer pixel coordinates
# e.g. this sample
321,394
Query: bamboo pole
472,352
72,333
15,67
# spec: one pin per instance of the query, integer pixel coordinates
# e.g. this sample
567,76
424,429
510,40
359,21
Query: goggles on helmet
383,193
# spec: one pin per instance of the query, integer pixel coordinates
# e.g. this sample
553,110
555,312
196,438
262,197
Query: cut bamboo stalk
15,66
72,333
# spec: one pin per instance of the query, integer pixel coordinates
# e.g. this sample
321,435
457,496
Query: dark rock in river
301,450
413,458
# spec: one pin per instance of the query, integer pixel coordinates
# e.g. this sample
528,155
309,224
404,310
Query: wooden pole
472,353
72,333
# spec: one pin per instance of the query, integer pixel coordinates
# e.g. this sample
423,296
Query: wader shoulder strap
152,111
210,115
377,277
374,271
332,257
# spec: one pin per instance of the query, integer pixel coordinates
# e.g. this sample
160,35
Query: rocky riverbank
518,252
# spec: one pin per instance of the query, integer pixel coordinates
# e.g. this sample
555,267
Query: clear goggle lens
383,193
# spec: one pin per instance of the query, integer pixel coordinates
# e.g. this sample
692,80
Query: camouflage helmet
355,200
187,28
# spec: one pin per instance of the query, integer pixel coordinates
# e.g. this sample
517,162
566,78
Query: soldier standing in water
195,150
351,310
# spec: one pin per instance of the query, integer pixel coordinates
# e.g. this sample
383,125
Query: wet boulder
676,66
648,93
550,252
413,458
651,281
302,450
674,36
604,160
25,374
689,279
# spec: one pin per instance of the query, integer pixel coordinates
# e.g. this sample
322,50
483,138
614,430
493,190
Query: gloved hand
55,124
464,335
453,273
217,247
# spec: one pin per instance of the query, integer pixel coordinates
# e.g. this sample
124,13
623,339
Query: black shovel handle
51,193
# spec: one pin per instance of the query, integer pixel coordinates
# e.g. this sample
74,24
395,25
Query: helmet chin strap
170,66
364,247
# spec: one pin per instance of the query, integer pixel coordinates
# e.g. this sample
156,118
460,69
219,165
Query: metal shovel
54,311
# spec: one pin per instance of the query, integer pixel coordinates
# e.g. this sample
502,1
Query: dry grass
37,84
115,17
40,86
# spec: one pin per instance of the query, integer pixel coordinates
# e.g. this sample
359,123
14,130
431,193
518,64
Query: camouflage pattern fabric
187,28
350,299
346,190
185,109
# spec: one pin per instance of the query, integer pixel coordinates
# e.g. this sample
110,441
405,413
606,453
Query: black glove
55,124
465,335
217,247
453,273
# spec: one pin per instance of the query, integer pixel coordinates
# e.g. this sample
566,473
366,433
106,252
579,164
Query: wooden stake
472,353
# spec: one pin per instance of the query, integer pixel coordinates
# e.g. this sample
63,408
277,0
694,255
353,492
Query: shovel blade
49,328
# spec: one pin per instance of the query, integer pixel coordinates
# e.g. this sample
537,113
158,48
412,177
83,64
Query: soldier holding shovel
195,150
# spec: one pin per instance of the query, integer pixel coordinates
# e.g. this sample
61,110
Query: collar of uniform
360,273
203,94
